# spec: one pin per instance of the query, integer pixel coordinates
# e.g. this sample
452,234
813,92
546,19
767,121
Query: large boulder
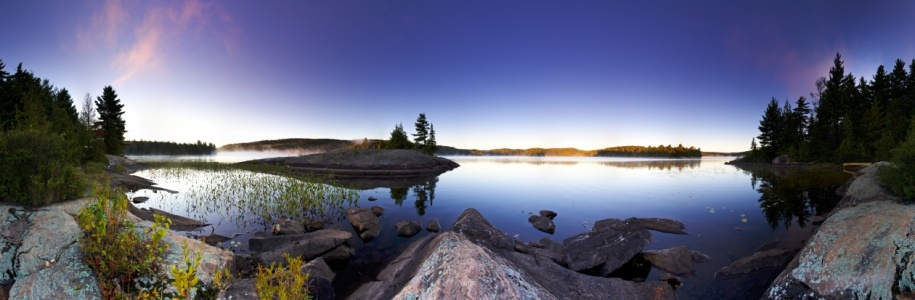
781,160
864,250
476,261
865,187
67,278
609,245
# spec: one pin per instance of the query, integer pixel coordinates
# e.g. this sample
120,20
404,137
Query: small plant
123,259
186,278
276,282
222,278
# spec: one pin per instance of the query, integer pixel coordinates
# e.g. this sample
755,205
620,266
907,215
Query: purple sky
488,74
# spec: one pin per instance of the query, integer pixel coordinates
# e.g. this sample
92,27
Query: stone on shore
140,199
609,245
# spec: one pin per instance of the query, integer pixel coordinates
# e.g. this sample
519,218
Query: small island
364,163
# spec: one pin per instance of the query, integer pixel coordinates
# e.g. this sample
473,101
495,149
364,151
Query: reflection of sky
708,196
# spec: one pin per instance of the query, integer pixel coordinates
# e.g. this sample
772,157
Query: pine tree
111,123
422,130
769,129
399,139
431,145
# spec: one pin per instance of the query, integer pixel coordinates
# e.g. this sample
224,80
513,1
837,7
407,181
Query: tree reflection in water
424,194
789,195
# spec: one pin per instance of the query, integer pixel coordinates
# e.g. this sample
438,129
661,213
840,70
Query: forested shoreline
849,120
168,148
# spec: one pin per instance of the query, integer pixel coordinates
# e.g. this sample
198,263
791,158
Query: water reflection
424,195
794,195
666,165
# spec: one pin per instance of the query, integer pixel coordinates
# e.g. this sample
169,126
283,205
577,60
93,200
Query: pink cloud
144,46
762,44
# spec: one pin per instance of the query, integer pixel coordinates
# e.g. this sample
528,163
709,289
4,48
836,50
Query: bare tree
88,116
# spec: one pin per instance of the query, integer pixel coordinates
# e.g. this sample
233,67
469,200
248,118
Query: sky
487,74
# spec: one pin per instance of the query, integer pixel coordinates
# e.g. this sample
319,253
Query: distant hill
295,145
324,145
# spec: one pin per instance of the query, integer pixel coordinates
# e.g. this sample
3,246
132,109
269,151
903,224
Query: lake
729,212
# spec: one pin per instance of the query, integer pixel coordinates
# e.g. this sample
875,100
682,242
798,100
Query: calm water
728,211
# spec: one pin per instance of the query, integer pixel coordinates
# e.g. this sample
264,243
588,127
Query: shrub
276,282
900,178
122,258
38,168
186,278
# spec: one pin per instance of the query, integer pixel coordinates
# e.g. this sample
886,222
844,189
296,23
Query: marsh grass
242,190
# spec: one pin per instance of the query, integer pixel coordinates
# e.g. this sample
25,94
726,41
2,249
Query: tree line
44,140
168,148
849,119
660,151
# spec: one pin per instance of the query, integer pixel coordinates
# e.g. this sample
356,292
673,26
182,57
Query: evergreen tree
422,130
399,139
770,128
111,123
431,145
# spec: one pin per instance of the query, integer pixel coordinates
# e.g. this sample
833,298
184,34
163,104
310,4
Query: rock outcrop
40,252
327,243
677,260
866,249
477,261
609,245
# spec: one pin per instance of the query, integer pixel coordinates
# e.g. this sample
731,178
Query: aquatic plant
241,190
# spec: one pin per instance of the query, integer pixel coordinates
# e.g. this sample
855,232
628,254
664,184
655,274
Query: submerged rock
609,245
758,261
548,214
307,245
377,210
214,239
543,224
677,260
285,226
364,221
663,225
140,199
408,228
433,226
